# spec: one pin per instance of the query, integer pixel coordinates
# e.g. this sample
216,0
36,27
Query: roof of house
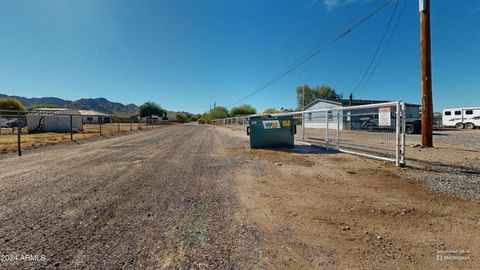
92,113
346,102
53,111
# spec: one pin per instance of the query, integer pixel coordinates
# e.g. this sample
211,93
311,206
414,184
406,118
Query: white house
94,117
53,120
360,119
150,119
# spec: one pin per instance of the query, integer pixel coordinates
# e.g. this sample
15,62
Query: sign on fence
384,118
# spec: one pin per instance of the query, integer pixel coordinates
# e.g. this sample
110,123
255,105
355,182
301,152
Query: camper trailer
461,118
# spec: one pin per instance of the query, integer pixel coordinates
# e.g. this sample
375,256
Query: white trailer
461,118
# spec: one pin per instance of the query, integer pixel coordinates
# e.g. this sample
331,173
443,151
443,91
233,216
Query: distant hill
98,104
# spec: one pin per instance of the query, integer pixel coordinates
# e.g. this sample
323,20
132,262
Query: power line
379,46
384,48
316,51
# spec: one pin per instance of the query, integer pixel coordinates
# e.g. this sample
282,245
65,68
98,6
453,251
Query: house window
309,116
469,112
448,113
458,112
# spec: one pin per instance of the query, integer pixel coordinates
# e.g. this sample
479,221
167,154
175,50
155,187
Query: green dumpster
271,131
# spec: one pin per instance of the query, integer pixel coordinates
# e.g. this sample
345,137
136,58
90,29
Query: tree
244,109
181,117
218,113
11,104
323,92
271,111
148,109
42,106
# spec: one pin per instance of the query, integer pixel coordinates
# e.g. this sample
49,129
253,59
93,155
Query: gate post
397,137
326,130
338,129
71,127
402,138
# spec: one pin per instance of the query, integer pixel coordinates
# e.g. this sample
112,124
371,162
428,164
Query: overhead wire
384,48
318,49
377,50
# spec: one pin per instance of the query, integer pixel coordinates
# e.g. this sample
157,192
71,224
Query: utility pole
426,73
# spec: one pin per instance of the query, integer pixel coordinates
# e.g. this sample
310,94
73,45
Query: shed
53,120
94,117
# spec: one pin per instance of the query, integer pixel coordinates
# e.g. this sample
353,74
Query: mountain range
97,104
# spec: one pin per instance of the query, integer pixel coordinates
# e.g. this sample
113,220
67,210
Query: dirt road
195,197
150,200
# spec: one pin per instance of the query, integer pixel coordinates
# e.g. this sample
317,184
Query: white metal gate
374,130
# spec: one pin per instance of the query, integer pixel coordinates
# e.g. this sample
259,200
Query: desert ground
197,197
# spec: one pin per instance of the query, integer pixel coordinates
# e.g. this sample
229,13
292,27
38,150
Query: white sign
384,116
270,124
421,5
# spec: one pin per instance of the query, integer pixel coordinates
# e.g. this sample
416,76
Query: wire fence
30,129
373,130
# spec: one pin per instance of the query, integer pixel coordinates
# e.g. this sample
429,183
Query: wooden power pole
426,67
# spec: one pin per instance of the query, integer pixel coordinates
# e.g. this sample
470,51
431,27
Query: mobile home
94,117
364,119
461,118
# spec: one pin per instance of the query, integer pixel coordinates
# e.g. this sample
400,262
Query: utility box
271,131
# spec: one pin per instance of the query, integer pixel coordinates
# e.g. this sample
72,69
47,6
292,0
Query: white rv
461,117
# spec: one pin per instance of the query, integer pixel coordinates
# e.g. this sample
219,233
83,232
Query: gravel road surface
152,200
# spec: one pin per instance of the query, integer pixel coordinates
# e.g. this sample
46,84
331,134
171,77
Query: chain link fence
20,130
373,130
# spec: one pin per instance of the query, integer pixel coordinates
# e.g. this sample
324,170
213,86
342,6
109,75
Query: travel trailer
461,118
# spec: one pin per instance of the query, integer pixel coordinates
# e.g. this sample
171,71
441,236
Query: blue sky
187,54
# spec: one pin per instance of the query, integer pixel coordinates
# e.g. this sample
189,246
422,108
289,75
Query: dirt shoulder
325,211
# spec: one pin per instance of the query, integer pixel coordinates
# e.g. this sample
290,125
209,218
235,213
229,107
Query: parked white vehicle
460,118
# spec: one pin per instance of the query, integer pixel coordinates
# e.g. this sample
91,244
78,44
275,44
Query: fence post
131,128
338,129
397,137
402,147
303,127
326,130
71,127
100,121
118,126
19,134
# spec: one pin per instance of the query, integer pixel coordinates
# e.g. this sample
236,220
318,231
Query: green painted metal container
271,131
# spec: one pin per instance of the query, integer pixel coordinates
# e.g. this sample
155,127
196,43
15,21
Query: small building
170,116
53,120
360,119
94,117
153,119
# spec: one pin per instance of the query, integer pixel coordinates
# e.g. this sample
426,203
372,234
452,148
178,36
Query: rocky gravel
469,139
460,182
